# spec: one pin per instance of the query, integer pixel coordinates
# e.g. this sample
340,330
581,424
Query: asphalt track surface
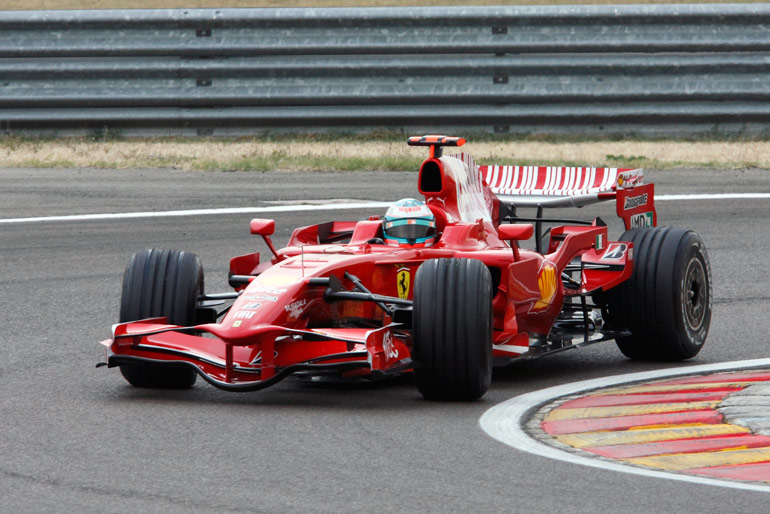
80,439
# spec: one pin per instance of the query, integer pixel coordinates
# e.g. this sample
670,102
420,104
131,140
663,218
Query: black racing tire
161,283
452,329
666,304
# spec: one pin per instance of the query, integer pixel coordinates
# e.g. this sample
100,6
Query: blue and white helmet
409,222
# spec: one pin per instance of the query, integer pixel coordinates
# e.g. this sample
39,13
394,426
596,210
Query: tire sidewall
691,256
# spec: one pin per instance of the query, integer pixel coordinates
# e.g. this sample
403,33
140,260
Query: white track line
714,196
319,207
204,212
505,421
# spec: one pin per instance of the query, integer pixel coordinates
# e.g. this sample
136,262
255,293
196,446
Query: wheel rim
695,293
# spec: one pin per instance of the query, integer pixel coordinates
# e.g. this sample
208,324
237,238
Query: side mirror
262,227
515,231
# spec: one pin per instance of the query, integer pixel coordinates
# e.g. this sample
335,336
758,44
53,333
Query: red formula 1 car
441,288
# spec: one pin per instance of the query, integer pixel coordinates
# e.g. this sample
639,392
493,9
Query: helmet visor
410,229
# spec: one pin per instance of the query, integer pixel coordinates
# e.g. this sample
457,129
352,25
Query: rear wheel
452,329
666,304
161,283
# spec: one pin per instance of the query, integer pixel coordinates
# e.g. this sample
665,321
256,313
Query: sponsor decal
244,314
632,202
252,305
278,280
403,278
267,290
237,324
641,220
614,252
630,179
387,345
295,309
261,297
547,284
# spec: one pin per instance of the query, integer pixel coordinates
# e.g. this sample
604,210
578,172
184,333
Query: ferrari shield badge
402,282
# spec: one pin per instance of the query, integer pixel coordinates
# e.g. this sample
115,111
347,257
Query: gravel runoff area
749,408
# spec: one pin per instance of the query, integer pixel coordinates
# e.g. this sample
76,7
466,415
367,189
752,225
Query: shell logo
547,284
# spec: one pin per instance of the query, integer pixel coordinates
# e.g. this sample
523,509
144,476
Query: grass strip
367,154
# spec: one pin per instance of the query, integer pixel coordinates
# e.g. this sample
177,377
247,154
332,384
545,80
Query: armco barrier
648,69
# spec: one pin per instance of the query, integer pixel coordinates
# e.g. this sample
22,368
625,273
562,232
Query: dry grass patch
351,155
659,154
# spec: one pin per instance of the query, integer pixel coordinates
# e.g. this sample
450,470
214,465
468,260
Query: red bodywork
283,321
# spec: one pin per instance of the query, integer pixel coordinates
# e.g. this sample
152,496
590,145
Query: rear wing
556,186
475,189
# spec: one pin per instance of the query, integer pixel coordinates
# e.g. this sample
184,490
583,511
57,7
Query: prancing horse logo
402,281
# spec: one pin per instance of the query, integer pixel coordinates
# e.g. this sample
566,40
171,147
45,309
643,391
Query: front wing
270,354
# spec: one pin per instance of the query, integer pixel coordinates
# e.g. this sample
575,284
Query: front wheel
161,283
452,329
666,304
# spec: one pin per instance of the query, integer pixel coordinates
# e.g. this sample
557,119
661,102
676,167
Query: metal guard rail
654,69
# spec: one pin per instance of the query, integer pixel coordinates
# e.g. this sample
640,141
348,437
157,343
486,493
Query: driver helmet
409,222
